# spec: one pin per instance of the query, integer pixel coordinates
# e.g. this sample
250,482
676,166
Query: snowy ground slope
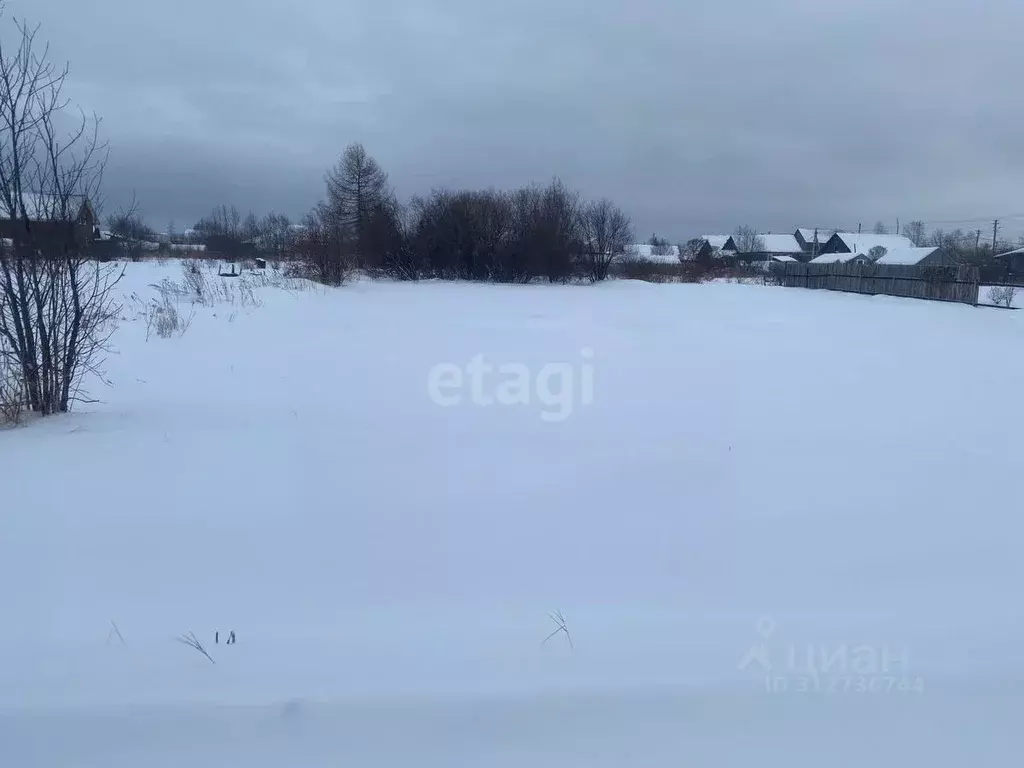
761,470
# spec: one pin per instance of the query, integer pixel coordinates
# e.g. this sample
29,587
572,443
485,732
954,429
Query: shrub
1002,295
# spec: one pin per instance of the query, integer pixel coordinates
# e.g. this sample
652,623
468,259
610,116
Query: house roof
717,241
859,242
46,207
644,251
833,258
808,235
906,255
1015,252
782,257
780,244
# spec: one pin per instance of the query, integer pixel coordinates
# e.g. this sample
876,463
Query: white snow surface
760,470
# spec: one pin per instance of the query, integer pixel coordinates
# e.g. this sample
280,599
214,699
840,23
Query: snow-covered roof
782,257
47,207
808,235
833,258
864,242
1015,252
716,241
780,244
906,255
645,251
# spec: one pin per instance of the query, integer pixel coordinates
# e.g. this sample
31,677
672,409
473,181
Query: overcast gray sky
694,116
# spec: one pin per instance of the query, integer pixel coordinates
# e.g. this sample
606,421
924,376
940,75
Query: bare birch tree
607,233
57,307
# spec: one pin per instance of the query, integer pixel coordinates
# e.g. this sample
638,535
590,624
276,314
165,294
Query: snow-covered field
780,525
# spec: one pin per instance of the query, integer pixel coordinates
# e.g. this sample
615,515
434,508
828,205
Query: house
774,245
840,258
54,222
856,242
923,257
1013,260
646,252
776,260
715,247
813,240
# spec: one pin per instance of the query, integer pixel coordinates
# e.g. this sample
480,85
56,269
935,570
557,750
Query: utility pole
897,225
995,233
977,243
858,227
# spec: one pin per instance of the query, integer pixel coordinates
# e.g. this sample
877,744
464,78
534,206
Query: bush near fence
958,283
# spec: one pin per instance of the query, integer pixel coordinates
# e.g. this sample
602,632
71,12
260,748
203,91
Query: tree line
538,232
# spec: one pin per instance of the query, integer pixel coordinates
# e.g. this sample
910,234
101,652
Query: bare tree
324,249
276,234
748,241
877,252
607,233
1002,294
659,246
128,227
690,250
356,187
915,232
57,307
250,227
880,228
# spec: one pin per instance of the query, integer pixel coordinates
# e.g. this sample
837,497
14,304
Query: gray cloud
694,117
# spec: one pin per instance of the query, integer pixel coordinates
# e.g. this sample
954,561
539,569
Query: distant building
856,242
840,258
923,257
53,222
1011,262
715,247
910,256
774,245
645,251
813,240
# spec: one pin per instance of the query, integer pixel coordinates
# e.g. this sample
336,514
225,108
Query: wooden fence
936,283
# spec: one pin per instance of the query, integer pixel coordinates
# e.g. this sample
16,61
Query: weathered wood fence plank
958,284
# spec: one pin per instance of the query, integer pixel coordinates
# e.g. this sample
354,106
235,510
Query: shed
925,257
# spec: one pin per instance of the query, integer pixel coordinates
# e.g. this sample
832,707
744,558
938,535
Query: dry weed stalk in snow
559,619
115,632
192,642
